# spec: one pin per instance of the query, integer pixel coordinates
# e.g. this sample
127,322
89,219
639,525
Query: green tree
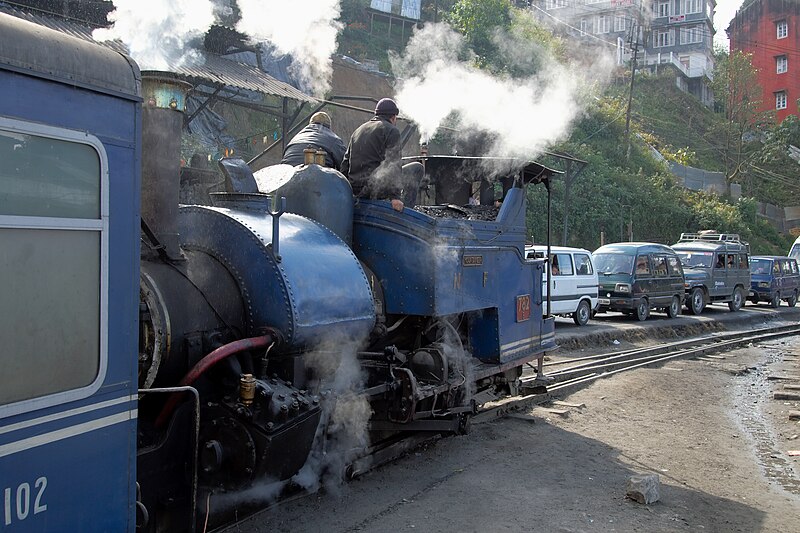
739,97
478,21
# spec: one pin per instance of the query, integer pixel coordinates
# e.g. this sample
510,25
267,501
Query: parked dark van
717,269
637,277
774,278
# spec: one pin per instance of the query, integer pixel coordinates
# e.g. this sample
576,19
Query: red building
770,31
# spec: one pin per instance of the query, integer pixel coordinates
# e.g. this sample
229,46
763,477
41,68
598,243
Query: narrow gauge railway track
568,376
573,373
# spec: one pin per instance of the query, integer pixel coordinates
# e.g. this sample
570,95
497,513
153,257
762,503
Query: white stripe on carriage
65,414
523,348
515,343
65,433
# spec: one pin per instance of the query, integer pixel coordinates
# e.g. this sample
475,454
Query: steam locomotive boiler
283,299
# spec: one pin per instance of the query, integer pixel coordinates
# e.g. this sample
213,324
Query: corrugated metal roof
216,70
220,71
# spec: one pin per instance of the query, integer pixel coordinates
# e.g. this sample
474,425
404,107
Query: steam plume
159,33
306,29
522,115
342,431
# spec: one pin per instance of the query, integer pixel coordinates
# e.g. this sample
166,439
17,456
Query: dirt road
710,429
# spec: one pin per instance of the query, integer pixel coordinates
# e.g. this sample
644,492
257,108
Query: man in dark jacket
373,162
319,136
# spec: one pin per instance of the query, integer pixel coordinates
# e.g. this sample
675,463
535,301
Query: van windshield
696,259
609,264
760,266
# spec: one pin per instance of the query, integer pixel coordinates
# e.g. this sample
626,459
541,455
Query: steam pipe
276,215
223,352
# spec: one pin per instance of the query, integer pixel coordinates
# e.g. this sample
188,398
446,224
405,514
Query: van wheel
776,300
697,301
582,313
643,310
791,301
738,300
674,308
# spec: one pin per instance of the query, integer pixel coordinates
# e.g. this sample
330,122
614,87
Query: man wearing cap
318,136
373,162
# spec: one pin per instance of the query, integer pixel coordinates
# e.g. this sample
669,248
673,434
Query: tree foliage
739,95
478,21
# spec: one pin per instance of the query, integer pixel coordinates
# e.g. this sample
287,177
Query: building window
663,38
555,4
594,1
691,34
619,23
780,100
602,24
584,26
782,29
663,9
692,6
781,64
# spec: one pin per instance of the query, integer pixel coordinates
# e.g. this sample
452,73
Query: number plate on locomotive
523,307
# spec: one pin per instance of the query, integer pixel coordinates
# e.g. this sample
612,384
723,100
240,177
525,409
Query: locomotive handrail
196,442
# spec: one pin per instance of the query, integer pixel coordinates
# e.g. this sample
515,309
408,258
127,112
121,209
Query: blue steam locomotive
156,355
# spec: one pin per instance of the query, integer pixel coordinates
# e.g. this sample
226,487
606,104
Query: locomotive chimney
162,124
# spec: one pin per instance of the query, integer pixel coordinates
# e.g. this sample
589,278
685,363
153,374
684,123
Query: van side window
659,265
793,264
732,261
562,265
720,262
743,264
674,267
776,267
786,268
642,265
583,266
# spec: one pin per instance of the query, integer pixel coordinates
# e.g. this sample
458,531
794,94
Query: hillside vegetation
617,194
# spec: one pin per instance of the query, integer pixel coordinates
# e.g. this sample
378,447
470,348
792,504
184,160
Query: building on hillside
676,34
770,31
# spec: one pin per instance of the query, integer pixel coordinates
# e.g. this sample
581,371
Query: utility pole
634,44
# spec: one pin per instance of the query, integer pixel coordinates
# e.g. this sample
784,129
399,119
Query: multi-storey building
679,33
770,31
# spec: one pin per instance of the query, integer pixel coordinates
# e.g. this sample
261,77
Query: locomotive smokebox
162,123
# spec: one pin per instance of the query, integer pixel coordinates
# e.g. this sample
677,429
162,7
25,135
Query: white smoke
342,432
305,29
438,85
159,34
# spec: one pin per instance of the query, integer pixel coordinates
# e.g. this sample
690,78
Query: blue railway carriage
69,235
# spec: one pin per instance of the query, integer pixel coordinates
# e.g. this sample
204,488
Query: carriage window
52,239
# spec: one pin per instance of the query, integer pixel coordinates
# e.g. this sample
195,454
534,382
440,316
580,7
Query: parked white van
574,281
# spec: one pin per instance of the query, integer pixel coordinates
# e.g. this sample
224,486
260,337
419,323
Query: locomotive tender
282,331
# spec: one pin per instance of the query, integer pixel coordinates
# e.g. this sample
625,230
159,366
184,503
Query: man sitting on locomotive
318,136
373,164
